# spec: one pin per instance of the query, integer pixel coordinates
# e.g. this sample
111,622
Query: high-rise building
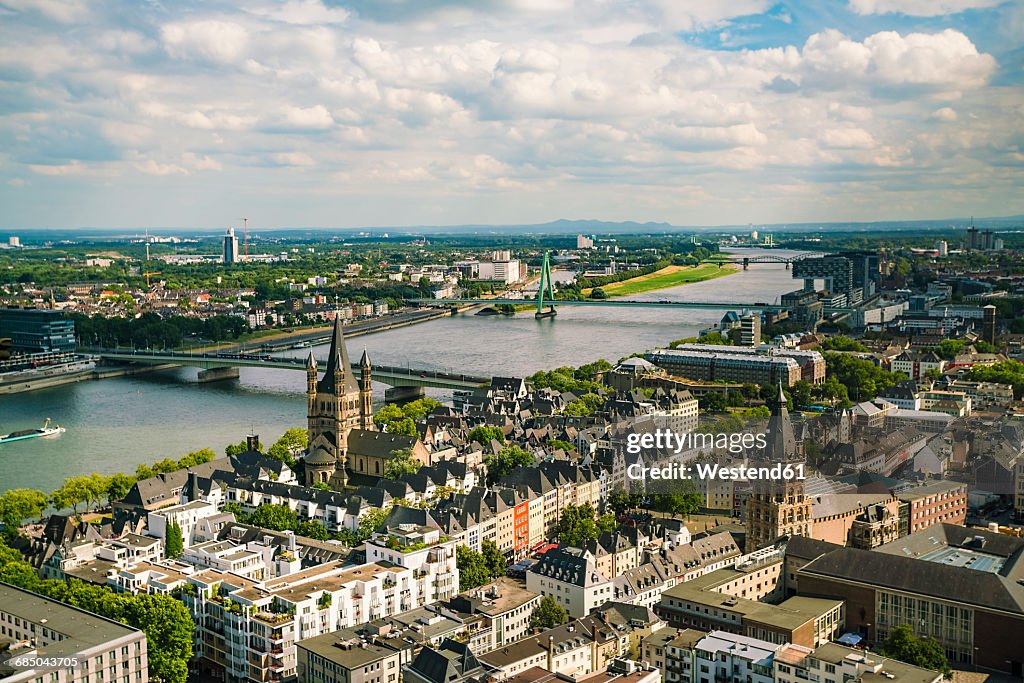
230,247
989,323
942,248
973,242
37,330
750,329
14,241
584,242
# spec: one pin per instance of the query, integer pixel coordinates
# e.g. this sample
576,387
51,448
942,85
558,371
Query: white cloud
64,11
314,118
293,159
201,163
919,8
945,114
211,40
303,12
848,138
152,167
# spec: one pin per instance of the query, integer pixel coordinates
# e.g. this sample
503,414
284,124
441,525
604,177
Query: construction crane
148,273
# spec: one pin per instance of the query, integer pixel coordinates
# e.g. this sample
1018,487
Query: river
114,424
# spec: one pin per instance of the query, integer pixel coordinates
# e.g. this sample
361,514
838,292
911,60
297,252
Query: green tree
388,412
72,493
174,545
168,627
199,457
576,524
484,435
370,522
506,460
902,644
119,486
401,462
548,614
404,426
681,503
420,408
312,529
555,444
606,523
587,404
495,560
864,380
274,517
598,293
473,570
842,343
17,505
291,444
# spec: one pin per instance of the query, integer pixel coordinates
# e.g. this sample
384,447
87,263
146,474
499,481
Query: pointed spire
310,362
338,363
364,360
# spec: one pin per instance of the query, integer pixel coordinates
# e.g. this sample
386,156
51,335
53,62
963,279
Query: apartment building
34,625
496,613
835,663
249,629
571,577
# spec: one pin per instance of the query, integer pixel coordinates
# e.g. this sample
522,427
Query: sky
182,113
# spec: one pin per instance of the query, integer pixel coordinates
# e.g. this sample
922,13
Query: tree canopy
506,460
902,644
548,614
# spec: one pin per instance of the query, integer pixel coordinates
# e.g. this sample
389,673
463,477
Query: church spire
338,377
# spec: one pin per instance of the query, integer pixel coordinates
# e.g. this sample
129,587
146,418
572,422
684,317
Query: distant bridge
761,258
386,374
624,303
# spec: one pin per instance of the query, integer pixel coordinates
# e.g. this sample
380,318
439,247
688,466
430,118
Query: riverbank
669,276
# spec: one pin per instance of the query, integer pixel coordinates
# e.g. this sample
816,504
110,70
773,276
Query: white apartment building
570,575
249,628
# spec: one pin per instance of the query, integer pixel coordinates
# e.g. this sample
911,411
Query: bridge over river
215,362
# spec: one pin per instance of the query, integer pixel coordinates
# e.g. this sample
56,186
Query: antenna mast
245,238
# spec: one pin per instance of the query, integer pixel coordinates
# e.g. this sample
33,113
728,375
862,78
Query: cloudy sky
185,113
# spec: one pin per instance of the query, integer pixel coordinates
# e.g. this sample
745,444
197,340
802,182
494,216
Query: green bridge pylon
545,281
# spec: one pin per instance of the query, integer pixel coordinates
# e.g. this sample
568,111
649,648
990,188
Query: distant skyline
445,112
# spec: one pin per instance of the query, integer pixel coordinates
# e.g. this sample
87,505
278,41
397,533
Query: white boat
21,435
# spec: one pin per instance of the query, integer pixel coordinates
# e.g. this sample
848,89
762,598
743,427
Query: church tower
365,392
778,508
334,408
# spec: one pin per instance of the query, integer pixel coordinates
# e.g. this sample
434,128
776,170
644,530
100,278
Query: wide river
115,424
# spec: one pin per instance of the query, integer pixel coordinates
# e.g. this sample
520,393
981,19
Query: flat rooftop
81,630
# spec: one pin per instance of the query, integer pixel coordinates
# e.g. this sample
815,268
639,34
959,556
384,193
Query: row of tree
149,330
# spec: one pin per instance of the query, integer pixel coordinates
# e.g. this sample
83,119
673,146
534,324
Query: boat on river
45,430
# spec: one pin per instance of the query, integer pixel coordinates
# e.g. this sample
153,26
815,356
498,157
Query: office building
743,364
230,253
960,586
37,626
584,242
37,330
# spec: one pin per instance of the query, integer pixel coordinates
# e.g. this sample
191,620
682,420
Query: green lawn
670,276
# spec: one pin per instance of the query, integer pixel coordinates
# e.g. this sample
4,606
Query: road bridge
624,303
391,375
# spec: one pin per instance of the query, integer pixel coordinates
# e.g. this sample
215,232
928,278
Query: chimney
193,486
551,653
